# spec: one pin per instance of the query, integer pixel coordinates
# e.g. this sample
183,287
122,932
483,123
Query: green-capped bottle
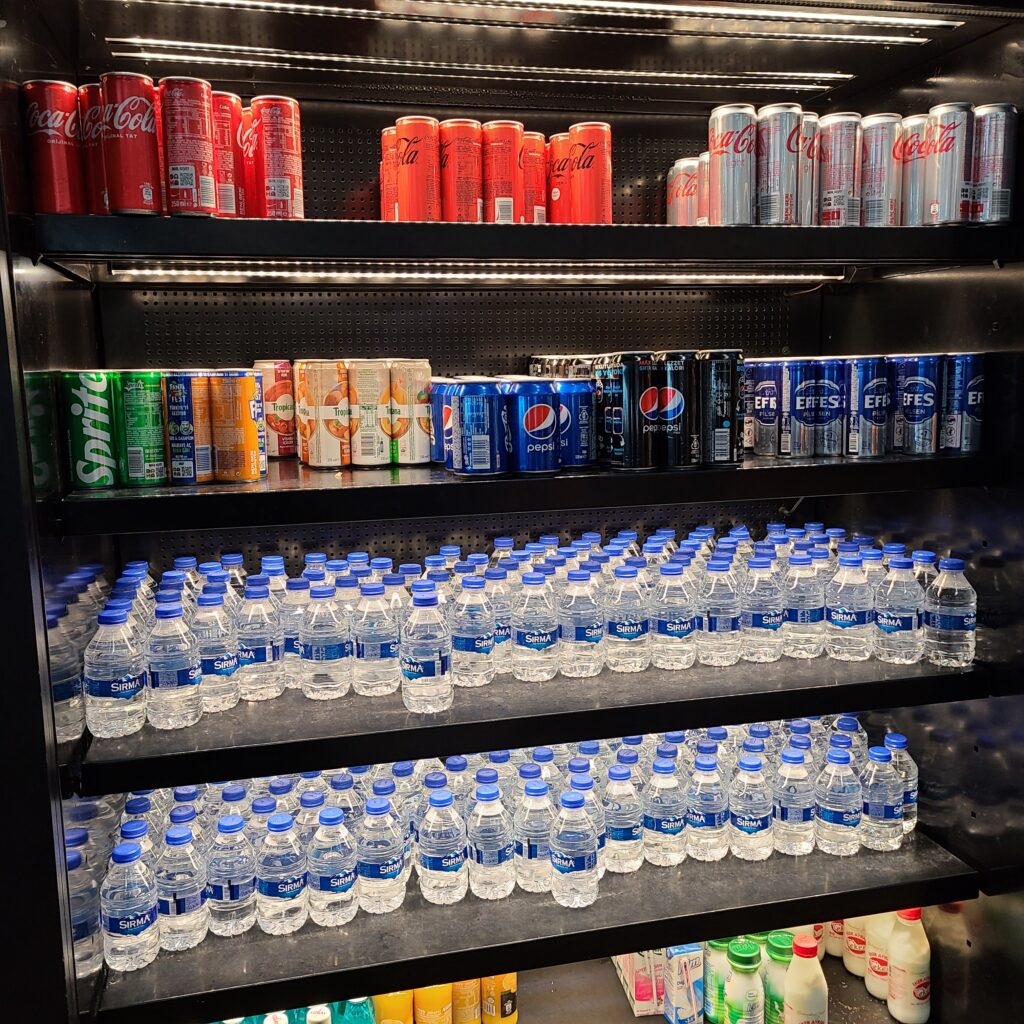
716,969
744,991
779,952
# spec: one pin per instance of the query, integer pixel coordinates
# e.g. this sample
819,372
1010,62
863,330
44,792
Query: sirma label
591,634
129,924
123,688
844,618
536,639
282,888
337,883
260,654
482,644
885,812
847,819
751,824
325,652
383,650
448,862
762,620
670,826
566,863
221,665
890,622
678,628
385,870
168,679
426,668
966,622
532,850
705,819
720,623
628,629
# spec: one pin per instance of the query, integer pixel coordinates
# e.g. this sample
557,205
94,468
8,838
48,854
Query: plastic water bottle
875,568
442,851
583,784
426,654
881,824
793,801
849,726
261,810
331,871
307,821
137,831
627,635
624,822
174,699
326,645
217,639
664,816
898,602
718,636
839,806
674,619
115,678
924,567
500,597
65,682
281,898
707,812
128,911
260,643
84,897
950,616
491,847
906,767
849,612
762,614
231,879
380,859
581,647
534,631
574,873
751,827
472,621
376,668
181,892
342,794
293,610
803,601
531,832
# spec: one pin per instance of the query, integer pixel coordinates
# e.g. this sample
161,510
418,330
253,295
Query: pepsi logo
649,403
670,404
540,421
564,418
446,422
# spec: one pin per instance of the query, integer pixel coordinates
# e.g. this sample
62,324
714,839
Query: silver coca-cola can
778,163
703,184
911,151
839,193
950,166
732,178
807,143
881,171
682,195
995,145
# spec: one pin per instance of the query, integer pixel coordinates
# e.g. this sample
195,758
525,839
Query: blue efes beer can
576,421
441,420
481,439
829,405
533,415
963,402
763,379
797,408
916,383
868,407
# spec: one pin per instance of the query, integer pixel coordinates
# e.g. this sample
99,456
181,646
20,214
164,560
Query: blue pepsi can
576,422
763,379
798,411
481,439
868,407
533,411
829,405
963,402
441,420
916,383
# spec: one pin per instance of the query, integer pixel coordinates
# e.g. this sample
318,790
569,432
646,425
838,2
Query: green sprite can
139,423
88,401
41,404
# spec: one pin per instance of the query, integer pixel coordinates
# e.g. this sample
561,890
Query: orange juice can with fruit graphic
369,395
408,424
278,406
322,406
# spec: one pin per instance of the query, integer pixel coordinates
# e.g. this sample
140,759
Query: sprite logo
91,429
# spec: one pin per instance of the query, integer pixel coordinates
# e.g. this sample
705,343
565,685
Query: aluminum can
995,149
732,171
236,412
559,180
703,186
682,192
840,175
462,188
481,438
764,387
187,420
590,167
608,403
322,413
161,160
535,186
389,174
369,395
186,111
41,416
916,383
797,408
963,403
868,407
139,428
88,407
55,153
441,420
278,406
90,129
533,416
277,158
503,172
252,202
228,162
881,189
912,152
408,422
131,157
637,417
778,163
829,404
678,409
576,421
418,176
721,406
807,143
950,163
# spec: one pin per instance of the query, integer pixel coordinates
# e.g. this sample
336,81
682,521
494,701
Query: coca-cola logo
686,186
943,136
132,114
55,123
582,155
922,989
910,147
409,148
807,145
732,140
92,124
558,167
248,139
443,153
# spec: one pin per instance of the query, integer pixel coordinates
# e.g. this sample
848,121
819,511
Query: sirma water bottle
426,653
950,616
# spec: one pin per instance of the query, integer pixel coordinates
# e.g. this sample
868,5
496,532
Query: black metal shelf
295,494
292,733
422,944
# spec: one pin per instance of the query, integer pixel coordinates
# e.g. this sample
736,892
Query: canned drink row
125,144
495,173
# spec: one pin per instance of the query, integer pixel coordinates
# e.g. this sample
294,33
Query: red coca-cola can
251,205
807,144
131,158
461,163
881,171
90,119
681,184
419,184
590,164
186,109
839,195
995,146
704,189
912,152
503,172
228,163
732,173
55,152
778,162
389,173
277,158
535,184
950,165
160,158
559,180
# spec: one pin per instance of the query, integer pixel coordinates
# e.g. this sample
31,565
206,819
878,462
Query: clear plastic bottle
924,567
215,634
531,830
181,891
906,767
707,812
128,911
260,643
281,897
380,859
233,564
838,806
326,644
674,619
898,601
442,851
849,612
849,726
751,834
718,637
627,636
664,816
65,682
426,654
881,824
874,567
307,821
491,847
231,879
174,699
534,631
293,610
762,614
803,600
624,821
342,794
137,831
574,872
331,871
115,678
583,784
84,897
472,621
950,616
581,644
500,598
793,800
376,668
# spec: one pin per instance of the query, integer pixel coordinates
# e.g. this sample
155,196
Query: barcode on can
367,445
136,464
226,198
479,451
876,211
207,191
298,206
769,207
279,188
503,210
182,176
721,446
204,459
1000,202
539,215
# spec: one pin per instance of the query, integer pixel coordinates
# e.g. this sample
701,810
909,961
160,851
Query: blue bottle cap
536,788
277,786
210,600
371,589
672,568
578,766
543,755
264,805
870,555
591,537
179,835
125,853
707,747
626,756
619,773
508,564
72,859
473,582
802,559
182,814
486,794
378,805
311,798
477,558
423,587
434,562
448,550
753,746
529,770
571,799
233,793
230,823
314,558
455,763
800,742
256,593
841,741
792,756
112,616
951,565
837,756
633,741
358,558
589,748
896,741
498,757
533,579
184,562
800,727
441,798
424,600
850,561
495,574
435,780
410,569
331,817
393,579
760,563
463,568
760,730
279,822
74,837
346,582
716,566
545,570
668,751
381,564
705,763
402,769
922,555
505,542
186,794
718,733
135,829
663,766
847,723
750,763
848,546
625,572
299,583
138,805
883,755
894,548
486,776
901,562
